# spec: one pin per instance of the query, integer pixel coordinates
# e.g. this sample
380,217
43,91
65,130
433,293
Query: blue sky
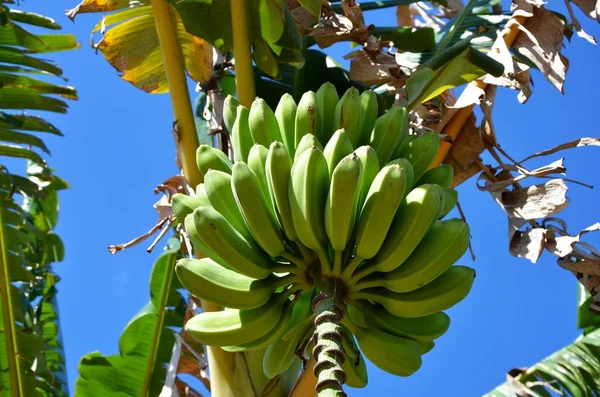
118,146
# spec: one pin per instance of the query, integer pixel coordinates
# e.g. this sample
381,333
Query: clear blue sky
118,147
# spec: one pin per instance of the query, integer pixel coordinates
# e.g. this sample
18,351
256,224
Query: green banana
393,354
426,346
389,130
369,108
263,123
450,201
198,243
257,161
441,175
412,220
340,208
383,199
327,100
279,167
231,327
347,115
410,174
403,146
337,148
230,106
241,138
209,158
444,244
369,315
286,117
201,194
208,280
306,117
267,339
215,233
220,195
281,353
256,210
354,365
308,189
370,169
183,205
441,294
421,151
308,141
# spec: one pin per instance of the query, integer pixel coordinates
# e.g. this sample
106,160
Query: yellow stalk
456,124
178,89
306,384
244,75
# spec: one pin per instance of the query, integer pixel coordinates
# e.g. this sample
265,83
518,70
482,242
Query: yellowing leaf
131,45
96,6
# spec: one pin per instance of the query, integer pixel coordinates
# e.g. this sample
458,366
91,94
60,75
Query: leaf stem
187,138
244,74
455,26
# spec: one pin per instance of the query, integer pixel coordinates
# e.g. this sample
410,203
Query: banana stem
328,350
306,253
361,273
337,262
187,138
244,75
296,260
326,267
349,270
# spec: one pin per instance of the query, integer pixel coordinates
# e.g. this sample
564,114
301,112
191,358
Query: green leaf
574,369
15,35
27,123
17,56
22,138
19,152
408,39
264,58
145,345
202,124
586,319
449,70
31,18
271,23
27,98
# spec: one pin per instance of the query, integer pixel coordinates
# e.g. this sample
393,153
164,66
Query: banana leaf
131,45
31,350
573,371
145,346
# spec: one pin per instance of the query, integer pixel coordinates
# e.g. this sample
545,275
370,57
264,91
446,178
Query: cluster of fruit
291,217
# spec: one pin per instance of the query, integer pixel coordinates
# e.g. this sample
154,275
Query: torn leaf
540,40
537,201
334,28
528,244
96,6
588,141
591,8
577,26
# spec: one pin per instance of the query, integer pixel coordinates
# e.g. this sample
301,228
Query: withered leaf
525,8
334,28
577,26
528,244
588,141
302,17
540,40
563,245
556,167
372,68
537,201
591,8
468,146
462,174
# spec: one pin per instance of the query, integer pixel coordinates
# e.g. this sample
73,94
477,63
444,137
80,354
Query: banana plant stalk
244,75
328,349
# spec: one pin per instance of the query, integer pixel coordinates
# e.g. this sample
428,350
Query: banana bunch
321,193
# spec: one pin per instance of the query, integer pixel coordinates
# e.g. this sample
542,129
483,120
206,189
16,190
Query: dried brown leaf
374,68
528,244
588,141
302,17
113,249
468,146
591,8
537,201
462,174
577,26
352,11
334,28
556,167
540,40
525,8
